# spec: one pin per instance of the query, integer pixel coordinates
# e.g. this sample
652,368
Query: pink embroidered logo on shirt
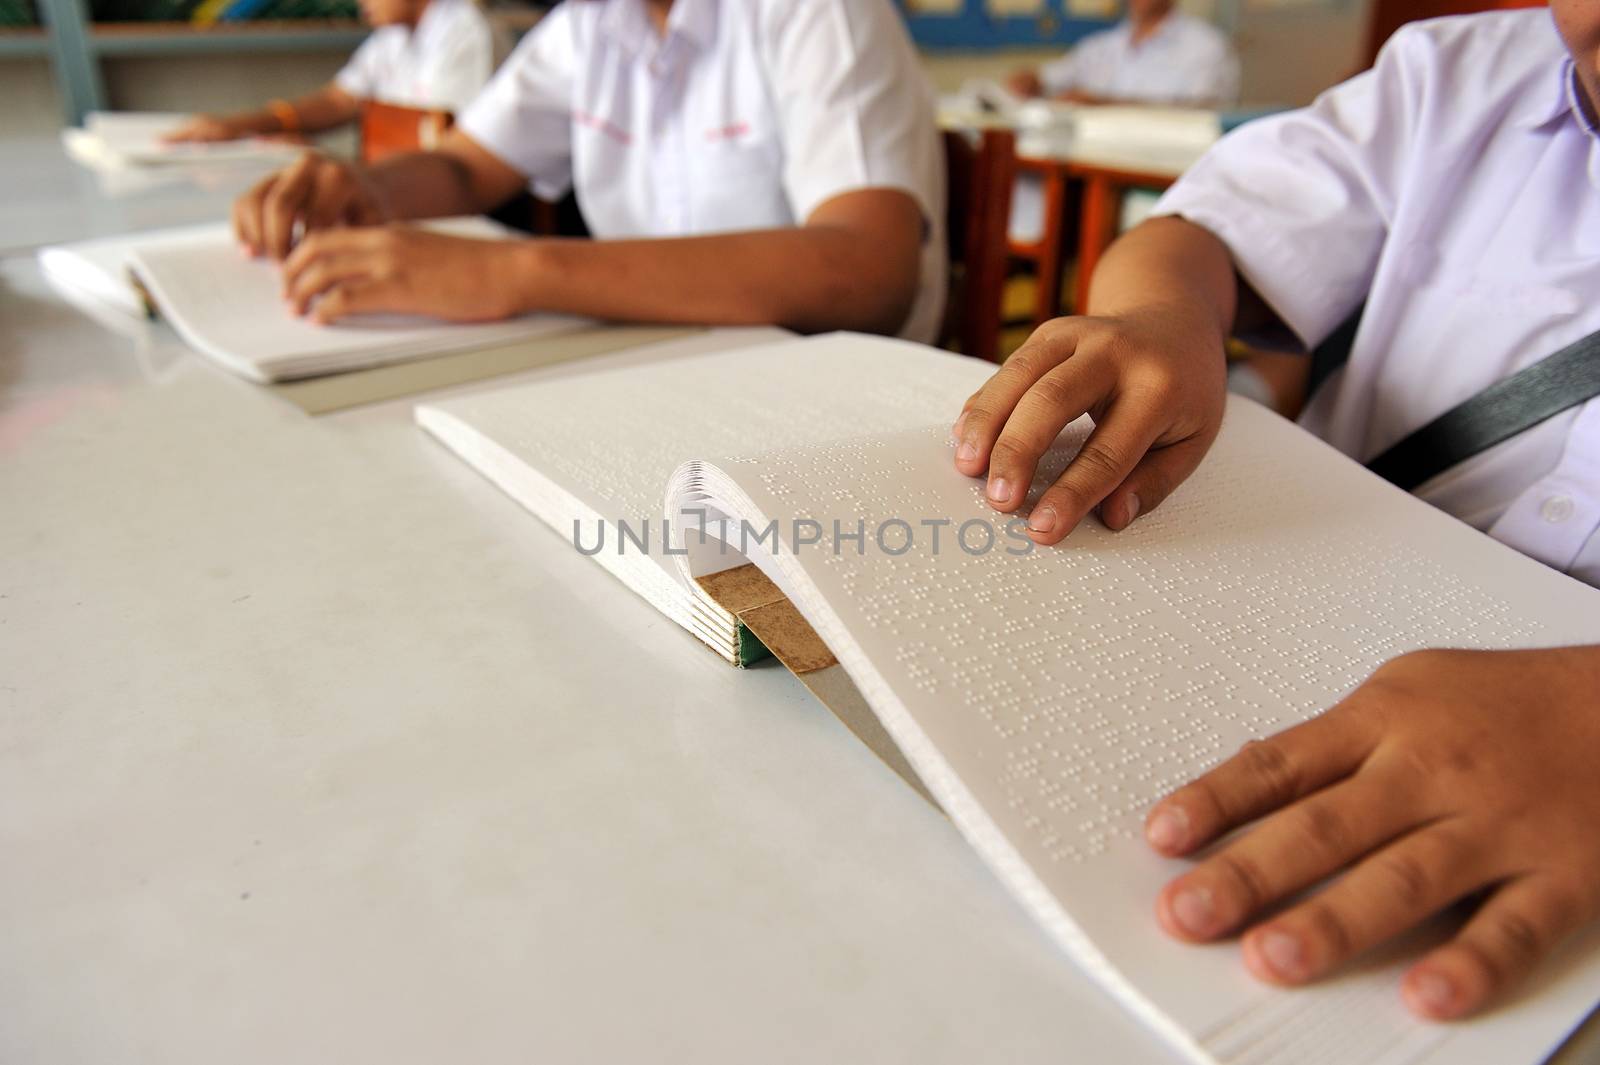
731,132
610,129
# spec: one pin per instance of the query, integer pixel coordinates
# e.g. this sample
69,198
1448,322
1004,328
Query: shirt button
1556,509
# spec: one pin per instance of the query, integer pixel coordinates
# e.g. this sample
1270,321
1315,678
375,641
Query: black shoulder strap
1556,383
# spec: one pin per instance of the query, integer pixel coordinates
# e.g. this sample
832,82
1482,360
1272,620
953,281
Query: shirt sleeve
357,76
855,108
1304,200
462,63
524,114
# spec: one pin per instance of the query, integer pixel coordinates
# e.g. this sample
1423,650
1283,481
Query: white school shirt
1456,189
1186,60
745,114
440,65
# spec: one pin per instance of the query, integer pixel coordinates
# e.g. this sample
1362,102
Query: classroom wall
173,83
30,106
1291,53
214,83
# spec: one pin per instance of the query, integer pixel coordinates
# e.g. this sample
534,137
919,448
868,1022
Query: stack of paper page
1047,696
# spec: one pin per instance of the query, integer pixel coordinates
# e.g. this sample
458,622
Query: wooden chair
1047,251
981,167
389,129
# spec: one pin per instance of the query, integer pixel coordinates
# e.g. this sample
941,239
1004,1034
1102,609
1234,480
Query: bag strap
1509,406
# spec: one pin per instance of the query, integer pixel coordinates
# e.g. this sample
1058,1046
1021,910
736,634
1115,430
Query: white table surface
316,748
46,198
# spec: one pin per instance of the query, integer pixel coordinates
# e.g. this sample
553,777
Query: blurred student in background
744,161
1155,55
434,55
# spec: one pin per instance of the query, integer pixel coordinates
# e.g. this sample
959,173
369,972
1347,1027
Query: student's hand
1026,84
314,192
1445,775
1153,380
204,129
400,269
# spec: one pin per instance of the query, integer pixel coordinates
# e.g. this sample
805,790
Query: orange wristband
284,112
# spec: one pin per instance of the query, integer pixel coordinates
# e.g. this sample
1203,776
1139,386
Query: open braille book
1046,696
231,308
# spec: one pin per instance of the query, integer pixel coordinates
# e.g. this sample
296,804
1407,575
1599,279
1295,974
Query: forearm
429,184
328,108
809,279
1169,264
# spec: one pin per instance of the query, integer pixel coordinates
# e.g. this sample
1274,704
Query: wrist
519,272
280,117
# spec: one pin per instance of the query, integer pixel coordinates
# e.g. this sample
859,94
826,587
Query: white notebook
1047,698
230,308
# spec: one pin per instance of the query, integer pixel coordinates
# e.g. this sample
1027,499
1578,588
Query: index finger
986,413
321,245
283,204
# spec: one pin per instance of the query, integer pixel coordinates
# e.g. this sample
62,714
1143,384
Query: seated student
1455,189
435,55
745,161
1154,56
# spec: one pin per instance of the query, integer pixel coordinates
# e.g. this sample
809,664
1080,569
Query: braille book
231,308
1047,696
117,140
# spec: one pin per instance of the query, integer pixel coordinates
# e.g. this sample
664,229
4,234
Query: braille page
1048,698
595,449
99,268
231,308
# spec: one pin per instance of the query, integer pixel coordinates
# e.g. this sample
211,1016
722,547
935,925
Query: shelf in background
24,41
182,38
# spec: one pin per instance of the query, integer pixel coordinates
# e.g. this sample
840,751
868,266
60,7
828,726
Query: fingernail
1167,828
1193,910
1000,490
1042,520
1432,992
1282,953
967,452
1133,507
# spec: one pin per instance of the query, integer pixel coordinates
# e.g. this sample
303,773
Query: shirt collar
1561,98
1165,28
695,20
627,22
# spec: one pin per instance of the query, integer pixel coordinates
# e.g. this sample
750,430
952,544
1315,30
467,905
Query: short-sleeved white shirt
440,65
1455,188
1186,60
745,114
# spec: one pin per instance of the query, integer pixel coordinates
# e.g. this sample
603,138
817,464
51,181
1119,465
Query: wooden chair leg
1047,299
1102,198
